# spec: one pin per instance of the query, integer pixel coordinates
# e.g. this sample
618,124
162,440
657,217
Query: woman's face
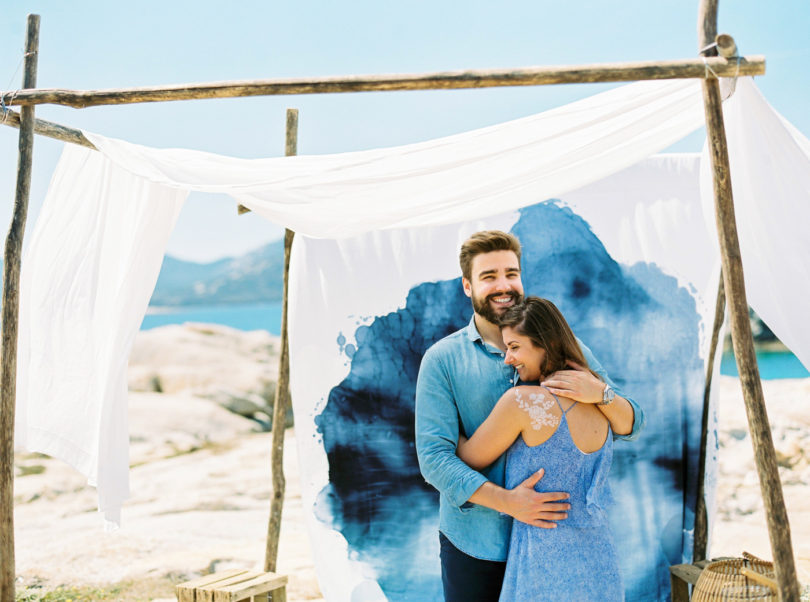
523,354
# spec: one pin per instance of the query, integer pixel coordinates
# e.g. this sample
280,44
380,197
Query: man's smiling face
494,284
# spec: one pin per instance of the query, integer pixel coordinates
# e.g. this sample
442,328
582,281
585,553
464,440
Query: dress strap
564,412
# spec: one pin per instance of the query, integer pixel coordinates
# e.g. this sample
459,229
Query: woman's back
553,448
576,560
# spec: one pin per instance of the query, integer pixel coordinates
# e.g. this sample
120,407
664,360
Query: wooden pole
11,304
726,47
707,27
701,538
742,339
529,76
281,402
49,129
706,33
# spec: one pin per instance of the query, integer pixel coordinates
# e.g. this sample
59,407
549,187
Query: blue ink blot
641,326
580,289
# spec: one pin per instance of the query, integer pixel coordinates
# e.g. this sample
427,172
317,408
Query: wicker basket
724,580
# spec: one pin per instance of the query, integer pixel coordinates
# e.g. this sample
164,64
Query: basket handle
759,578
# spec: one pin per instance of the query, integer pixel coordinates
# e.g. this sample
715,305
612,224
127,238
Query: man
460,379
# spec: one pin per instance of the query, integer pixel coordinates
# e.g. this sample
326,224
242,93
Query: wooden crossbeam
696,68
48,129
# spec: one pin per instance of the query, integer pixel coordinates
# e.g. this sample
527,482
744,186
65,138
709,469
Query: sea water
772,365
267,316
263,316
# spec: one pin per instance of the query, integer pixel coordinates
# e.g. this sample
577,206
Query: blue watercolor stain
641,326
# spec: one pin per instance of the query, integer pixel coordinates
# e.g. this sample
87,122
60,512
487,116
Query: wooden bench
234,585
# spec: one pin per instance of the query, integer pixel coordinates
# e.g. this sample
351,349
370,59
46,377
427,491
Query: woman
573,442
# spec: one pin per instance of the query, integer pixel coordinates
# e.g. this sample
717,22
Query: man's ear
467,286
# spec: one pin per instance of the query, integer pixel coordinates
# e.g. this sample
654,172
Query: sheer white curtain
442,181
770,175
93,260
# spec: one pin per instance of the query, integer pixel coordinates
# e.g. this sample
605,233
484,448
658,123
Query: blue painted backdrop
641,326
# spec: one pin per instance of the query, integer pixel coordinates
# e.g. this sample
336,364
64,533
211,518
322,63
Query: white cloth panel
87,276
648,227
770,174
640,214
442,181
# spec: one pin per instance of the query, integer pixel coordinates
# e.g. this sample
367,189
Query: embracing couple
515,421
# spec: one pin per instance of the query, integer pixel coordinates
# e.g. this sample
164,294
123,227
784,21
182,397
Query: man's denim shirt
460,380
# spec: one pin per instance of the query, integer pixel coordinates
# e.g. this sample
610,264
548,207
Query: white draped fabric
440,181
354,356
770,170
89,271
97,247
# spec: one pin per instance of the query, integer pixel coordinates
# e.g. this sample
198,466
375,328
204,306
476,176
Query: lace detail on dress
537,407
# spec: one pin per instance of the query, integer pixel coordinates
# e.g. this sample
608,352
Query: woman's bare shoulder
537,406
521,393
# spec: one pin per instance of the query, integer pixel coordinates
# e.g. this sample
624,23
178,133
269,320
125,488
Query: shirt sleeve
638,414
437,428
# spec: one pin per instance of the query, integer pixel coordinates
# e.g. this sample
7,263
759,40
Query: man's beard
484,308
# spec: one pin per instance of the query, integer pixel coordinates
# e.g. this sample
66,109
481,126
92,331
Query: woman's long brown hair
541,321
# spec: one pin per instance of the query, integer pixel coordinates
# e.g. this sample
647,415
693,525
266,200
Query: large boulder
234,368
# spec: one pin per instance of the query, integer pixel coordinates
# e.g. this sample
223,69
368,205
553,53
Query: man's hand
538,509
577,384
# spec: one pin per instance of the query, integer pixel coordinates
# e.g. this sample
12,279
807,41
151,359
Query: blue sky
95,44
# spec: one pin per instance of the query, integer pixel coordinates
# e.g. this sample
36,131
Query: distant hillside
256,277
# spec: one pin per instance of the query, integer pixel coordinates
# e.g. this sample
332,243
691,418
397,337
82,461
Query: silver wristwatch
607,396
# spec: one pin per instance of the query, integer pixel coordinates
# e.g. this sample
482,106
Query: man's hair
486,241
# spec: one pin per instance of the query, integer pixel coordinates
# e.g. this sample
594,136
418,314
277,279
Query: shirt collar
472,331
472,334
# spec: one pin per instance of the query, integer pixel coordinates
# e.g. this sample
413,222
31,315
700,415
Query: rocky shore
740,517
200,478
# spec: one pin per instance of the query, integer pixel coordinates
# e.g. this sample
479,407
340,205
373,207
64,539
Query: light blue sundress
576,561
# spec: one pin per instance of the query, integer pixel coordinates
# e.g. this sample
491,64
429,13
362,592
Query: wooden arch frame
732,289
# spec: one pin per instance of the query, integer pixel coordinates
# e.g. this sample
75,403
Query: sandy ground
200,502
200,481
740,518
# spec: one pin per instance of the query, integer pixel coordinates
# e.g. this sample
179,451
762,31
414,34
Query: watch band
607,396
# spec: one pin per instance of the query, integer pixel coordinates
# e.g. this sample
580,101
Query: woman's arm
579,384
494,436
619,413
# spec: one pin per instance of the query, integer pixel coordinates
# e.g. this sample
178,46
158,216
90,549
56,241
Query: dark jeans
468,579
